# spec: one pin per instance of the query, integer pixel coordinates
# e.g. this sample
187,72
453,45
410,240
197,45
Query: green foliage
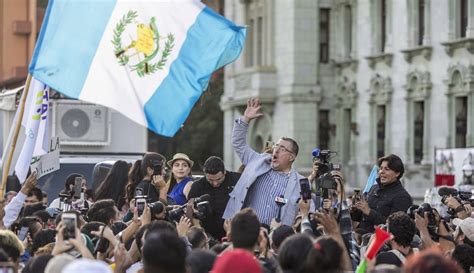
119,29
202,134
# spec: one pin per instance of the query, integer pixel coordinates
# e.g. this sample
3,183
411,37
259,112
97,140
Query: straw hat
180,156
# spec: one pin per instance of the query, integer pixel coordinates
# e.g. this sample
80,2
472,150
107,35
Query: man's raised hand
253,110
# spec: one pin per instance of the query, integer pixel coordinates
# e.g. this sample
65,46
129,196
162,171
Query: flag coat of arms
148,59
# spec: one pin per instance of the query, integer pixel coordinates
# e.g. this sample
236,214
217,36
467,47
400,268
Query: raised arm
239,133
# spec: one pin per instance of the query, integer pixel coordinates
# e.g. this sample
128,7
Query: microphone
280,201
315,152
446,191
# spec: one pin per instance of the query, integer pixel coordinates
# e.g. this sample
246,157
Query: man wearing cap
266,176
464,233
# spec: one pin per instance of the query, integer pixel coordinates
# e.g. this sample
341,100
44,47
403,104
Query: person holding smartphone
152,185
385,197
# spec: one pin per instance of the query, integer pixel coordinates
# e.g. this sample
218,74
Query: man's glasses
280,148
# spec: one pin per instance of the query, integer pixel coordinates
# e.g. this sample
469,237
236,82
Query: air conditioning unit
79,123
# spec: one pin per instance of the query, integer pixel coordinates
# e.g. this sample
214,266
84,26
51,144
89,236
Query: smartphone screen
357,196
305,189
77,187
8,267
69,222
141,203
23,233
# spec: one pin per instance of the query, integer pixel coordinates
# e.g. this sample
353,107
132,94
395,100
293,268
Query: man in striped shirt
266,176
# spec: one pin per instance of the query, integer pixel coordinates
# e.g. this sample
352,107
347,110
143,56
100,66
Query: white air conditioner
79,123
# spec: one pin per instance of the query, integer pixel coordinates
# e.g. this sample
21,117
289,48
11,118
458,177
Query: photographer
153,184
68,199
218,183
385,197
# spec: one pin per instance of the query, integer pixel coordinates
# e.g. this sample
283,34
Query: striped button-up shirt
262,193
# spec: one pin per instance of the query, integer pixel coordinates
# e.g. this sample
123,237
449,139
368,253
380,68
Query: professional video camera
463,197
200,204
324,178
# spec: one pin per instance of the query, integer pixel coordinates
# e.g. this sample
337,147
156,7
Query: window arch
380,94
460,92
346,102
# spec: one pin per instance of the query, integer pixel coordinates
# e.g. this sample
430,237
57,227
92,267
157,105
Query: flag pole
11,151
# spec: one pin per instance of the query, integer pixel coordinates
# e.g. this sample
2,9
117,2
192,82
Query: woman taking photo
180,181
152,184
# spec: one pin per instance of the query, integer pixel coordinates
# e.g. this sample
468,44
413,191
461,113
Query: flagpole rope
7,163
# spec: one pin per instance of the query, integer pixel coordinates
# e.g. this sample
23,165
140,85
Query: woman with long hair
148,179
113,186
180,181
134,177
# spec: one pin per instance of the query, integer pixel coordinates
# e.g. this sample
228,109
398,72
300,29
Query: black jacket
213,224
384,200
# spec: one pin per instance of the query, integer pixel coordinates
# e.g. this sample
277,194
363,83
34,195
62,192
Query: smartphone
8,267
357,196
69,221
305,189
23,233
140,204
77,187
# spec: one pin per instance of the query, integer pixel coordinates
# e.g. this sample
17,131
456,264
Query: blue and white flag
148,59
35,123
371,179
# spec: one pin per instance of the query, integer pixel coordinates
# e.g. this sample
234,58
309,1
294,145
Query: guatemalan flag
148,59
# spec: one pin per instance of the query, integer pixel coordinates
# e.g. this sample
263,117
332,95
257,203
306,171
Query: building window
461,122
383,25
418,136
463,18
381,130
256,39
347,30
347,136
418,102
260,40
421,21
324,16
324,129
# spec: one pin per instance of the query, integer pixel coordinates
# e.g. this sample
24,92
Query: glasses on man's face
280,148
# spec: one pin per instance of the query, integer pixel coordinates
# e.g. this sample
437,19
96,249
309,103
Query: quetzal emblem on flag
142,53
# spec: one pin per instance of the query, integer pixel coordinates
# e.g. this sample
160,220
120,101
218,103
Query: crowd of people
263,218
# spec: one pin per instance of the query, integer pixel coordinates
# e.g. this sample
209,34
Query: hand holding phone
305,189
23,233
69,221
140,204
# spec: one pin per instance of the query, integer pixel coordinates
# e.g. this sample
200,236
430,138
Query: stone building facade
362,77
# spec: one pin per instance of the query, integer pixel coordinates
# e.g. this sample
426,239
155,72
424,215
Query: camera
462,197
432,225
156,207
324,163
157,166
324,178
201,205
